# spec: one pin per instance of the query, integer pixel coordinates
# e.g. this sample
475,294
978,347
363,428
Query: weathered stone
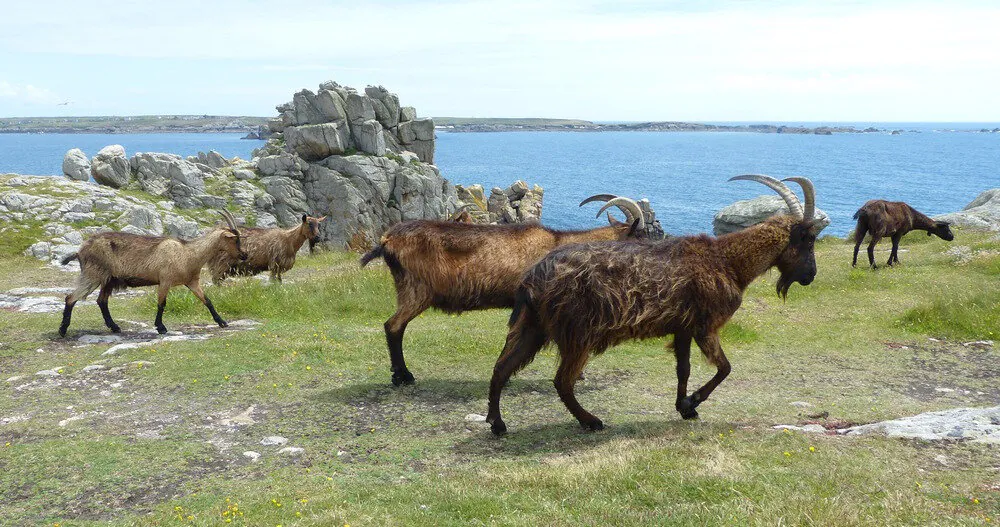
423,149
368,137
405,133
982,213
359,109
407,113
331,106
385,104
305,108
317,141
499,207
110,167
745,213
273,441
76,165
423,129
980,425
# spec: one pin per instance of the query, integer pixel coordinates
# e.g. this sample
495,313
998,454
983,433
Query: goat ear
228,234
635,227
320,219
304,218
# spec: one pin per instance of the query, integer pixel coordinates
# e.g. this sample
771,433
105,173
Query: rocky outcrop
982,213
76,165
515,204
745,213
110,167
360,159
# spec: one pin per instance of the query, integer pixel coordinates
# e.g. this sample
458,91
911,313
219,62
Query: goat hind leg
572,363
102,302
523,342
409,304
80,293
871,253
894,255
161,303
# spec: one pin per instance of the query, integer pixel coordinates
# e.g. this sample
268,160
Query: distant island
136,124
256,127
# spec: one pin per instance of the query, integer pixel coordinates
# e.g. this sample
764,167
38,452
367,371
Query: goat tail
69,258
858,213
377,252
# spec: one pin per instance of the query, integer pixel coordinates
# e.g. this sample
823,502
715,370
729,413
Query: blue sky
625,60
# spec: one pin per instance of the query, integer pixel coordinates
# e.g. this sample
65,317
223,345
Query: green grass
153,451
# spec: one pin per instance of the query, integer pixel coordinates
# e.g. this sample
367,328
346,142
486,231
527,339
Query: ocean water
683,174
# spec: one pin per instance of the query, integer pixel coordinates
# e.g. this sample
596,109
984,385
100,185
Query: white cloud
27,93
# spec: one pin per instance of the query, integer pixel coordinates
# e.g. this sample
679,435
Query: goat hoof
402,377
686,407
115,329
498,427
693,414
594,425
223,324
161,330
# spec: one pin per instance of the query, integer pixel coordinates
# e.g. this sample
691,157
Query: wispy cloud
27,93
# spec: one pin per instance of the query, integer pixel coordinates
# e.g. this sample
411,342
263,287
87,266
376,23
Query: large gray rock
423,129
317,141
407,113
110,167
385,104
330,105
405,132
368,137
982,213
170,176
290,202
979,425
76,165
305,110
745,213
500,208
359,108
423,149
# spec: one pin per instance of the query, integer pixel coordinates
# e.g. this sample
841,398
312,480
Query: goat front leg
161,303
712,350
572,363
524,340
871,253
102,302
195,287
682,350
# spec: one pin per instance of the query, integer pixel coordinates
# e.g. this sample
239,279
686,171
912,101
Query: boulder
423,129
745,213
110,167
359,109
529,207
982,213
500,208
305,110
76,165
331,106
407,113
385,104
169,176
368,137
317,141
405,133
423,149
979,425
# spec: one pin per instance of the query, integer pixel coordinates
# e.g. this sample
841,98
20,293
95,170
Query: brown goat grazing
894,219
589,297
458,267
118,260
271,250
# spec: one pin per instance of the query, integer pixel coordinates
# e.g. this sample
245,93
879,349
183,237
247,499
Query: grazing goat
894,219
586,298
271,250
458,267
118,260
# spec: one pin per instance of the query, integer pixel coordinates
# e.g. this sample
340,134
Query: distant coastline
256,127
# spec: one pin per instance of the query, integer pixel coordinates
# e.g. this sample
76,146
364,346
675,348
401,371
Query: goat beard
784,283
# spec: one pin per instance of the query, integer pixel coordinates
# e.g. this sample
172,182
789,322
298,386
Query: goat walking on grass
586,298
894,219
271,250
458,267
118,260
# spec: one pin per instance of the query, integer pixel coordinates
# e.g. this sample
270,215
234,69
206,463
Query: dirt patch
946,368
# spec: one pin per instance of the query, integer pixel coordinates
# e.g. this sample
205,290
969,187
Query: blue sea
683,174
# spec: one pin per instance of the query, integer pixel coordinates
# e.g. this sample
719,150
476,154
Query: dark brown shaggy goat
586,298
894,219
271,250
118,260
459,267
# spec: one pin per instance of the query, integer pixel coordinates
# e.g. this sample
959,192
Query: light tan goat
271,250
118,260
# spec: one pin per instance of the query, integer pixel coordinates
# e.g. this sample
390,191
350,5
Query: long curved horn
598,197
786,193
809,191
626,205
230,220
467,206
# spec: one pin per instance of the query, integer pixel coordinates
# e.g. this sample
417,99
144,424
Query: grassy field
161,442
